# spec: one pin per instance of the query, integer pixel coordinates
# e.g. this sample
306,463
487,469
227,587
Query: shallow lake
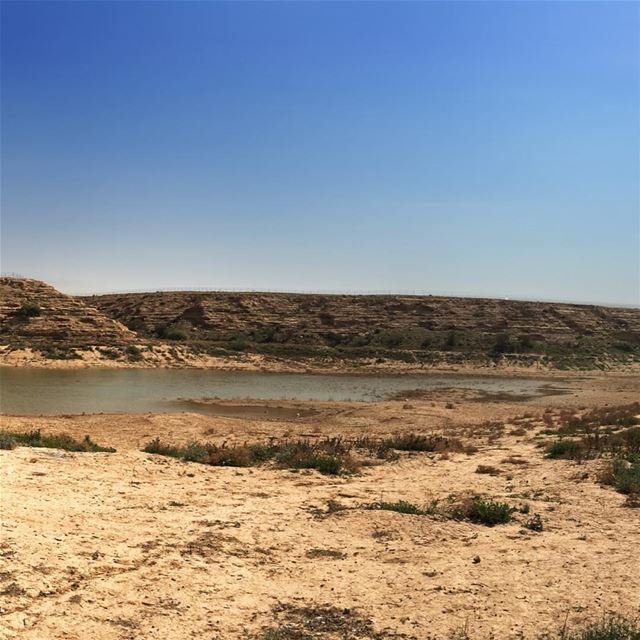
48,391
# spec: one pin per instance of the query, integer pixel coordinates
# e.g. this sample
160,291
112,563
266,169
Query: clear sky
462,148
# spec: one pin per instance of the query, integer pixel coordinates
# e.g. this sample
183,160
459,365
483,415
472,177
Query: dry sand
130,545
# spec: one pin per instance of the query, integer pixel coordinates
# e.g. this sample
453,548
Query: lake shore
135,545
163,358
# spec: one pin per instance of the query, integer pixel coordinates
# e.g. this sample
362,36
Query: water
49,391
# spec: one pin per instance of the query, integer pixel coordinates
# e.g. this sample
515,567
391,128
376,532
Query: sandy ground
130,545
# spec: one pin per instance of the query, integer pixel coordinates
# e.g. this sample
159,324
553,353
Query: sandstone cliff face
412,329
422,328
315,315
33,314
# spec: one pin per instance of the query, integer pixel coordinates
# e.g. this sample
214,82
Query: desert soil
134,546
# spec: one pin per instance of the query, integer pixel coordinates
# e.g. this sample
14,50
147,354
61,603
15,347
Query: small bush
610,628
7,441
623,475
156,446
172,331
534,523
326,318
451,341
59,441
137,325
598,441
403,506
30,310
503,344
134,353
391,339
481,511
476,510
570,449
229,456
329,456
488,469
329,465
238,345
409,442
631,439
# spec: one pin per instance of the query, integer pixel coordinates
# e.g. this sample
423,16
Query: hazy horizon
465,149
336,292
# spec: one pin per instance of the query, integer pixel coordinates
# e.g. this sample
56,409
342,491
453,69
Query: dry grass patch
475,509
610,628
487,469
12,439
323,622
609,432
329,455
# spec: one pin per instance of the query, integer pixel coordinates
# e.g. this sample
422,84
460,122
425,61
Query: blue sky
462,148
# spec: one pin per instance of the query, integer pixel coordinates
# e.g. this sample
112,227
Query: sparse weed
534,523
7,441
385,447
609,628
57,441
403,506
330,456
570,449
623,475
483,511
473,509
488,470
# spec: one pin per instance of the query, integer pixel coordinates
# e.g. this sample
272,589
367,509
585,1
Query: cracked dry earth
135,546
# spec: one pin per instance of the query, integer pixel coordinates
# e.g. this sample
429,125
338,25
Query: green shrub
623,475
263,334
452,340
30,310
403,506
137,325
631,439
134,353
157,447
391,339
7,441
476,510
238,345
610,628
503,344
409,442
194,452
329,465
176,331
570,449
59,441
481,511
526,343
229,456
329,456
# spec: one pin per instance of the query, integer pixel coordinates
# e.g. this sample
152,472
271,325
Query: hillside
315,329
33,314
410,328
